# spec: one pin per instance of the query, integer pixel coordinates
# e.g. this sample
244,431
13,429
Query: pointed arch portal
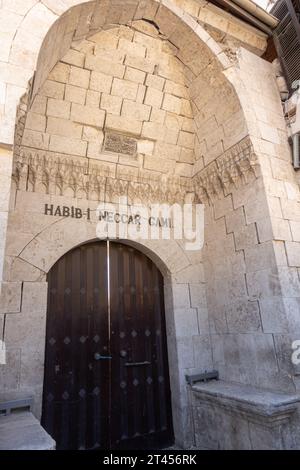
106,382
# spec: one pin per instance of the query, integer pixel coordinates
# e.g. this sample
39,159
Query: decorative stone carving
46,172
235,167
119,143
52,173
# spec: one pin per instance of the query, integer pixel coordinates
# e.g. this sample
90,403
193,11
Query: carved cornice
236,167
46,172
51,173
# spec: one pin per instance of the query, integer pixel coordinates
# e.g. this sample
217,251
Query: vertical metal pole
109,338
108,291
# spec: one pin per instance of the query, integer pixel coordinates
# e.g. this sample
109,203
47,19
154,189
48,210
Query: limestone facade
159,101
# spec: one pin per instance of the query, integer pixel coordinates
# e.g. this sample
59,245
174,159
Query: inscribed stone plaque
119,143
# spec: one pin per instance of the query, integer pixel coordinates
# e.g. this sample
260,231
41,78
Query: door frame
107,245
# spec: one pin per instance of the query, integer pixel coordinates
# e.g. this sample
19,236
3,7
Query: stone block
113,56
111,104
134,75
58,108
202,352
273,315
169,151
281,170
154,97
139,112
74,57
107,39
60,73
101,82
141,94
79,77
172,104
290,209
22,431
75,94
64,127
93,98
184,169
153,130
92,134
39,104
197,295
145,147
185,353
122,124
107,67
260,257
10,300
87,115
125,89
269,133
264,283
245,237
292,310
158,116
187,140
295,229
132,48
176,89
235,219
174,122
233,416
36,122
293,253
156,82
186,322
10,374
68,145
53,90
243,316
164,165
35,139
186,109
187,156
139,63
256,209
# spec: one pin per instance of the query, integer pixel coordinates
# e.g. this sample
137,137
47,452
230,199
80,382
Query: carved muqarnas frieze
236,167
45,172
119,143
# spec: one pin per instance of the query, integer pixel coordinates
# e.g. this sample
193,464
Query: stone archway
178,268
235,162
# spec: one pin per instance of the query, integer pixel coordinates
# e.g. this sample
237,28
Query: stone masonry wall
118,82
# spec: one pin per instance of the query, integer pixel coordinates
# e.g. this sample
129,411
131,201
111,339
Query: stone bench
22,431
233,416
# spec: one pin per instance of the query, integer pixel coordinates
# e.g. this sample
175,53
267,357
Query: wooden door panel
141,378
75,384
90,401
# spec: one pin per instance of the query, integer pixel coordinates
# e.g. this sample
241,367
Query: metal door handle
137,364
99,357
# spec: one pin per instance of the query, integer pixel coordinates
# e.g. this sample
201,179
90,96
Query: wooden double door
106,382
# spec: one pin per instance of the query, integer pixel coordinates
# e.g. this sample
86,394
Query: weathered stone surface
119,143
22,431
231,416
187,118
